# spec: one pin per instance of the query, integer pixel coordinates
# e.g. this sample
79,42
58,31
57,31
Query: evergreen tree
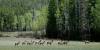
61,18
92,17
73,19
51,28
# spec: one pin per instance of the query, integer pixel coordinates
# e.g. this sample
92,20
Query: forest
59,19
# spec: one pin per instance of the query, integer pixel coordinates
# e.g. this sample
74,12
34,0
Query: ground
8,44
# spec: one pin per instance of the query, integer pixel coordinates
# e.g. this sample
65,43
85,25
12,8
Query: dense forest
63,19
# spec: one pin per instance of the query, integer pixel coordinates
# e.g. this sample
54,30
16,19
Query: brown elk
60,42
87,42
23,43
41,43
17,43
29,43
50,42
65,42
37,42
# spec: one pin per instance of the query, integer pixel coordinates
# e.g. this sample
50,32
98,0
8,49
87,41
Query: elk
41,43
37,42
87,42
65,42
60,42
33,42
23,43
50,42
17,43
29,43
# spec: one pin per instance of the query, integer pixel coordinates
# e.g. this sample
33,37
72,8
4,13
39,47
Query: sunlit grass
70,46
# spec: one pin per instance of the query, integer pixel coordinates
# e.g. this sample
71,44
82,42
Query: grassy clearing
72,45
86,47
8,44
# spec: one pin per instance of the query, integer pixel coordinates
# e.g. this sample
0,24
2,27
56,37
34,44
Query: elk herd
40,42
44,42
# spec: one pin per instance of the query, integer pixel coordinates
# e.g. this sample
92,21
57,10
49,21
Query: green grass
55,47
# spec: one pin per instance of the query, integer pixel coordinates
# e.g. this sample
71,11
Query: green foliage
97,16
51,28
40,21
16,15
56,16
61,17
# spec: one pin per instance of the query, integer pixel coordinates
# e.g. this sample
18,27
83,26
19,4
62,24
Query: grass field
48,48
8,44
80,47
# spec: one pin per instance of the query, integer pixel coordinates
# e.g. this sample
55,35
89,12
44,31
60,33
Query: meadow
8,44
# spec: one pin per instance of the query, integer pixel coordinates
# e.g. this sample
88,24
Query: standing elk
32,42
50,42
60,43
17,43
41,43
23,43
37,42
87,42
29,43
65,42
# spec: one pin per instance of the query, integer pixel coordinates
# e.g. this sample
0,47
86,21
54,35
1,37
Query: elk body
87,42
50,42
17,43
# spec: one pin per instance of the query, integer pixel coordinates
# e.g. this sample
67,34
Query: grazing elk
50,42
41,43
87,42
29,43
37,42
60,42
17,43
23,43
65,42
32,42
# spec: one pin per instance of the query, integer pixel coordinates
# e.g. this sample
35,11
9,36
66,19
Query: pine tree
91,17
73,19
51,29
61,18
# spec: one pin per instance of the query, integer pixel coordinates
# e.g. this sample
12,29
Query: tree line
64,19
21,15
73,19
